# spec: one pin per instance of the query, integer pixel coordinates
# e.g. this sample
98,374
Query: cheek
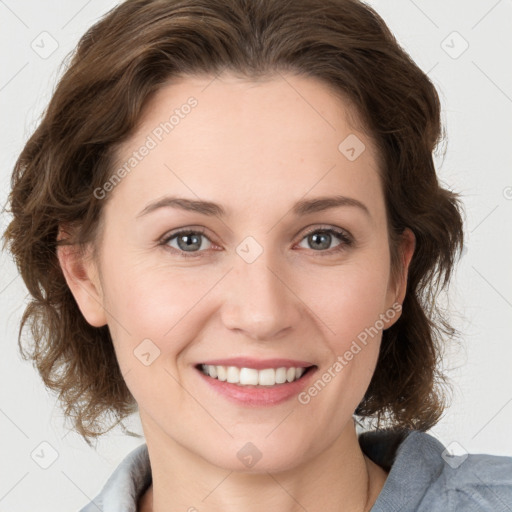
154,322
348,299
157,303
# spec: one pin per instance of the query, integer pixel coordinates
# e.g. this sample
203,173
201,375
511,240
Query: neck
339,478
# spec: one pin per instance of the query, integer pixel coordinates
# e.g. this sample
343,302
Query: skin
255,148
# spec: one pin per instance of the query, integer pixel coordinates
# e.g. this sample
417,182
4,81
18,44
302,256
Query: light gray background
476,92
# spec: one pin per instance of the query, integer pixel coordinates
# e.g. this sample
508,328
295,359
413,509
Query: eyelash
346,239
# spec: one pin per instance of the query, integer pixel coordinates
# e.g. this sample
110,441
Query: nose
259,301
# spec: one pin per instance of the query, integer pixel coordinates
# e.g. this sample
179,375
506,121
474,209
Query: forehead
243,143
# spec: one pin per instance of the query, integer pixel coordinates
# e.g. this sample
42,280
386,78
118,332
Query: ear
82,277
397,290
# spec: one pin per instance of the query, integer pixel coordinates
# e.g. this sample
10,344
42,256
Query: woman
230,222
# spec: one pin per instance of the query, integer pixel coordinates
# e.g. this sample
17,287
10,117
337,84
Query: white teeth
248,376
251,376
280,375
267,377
233,374
221,372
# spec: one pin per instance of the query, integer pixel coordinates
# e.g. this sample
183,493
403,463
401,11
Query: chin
257,457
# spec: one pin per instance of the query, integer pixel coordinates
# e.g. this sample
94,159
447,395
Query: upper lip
258,364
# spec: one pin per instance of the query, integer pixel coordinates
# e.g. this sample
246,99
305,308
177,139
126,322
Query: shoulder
477,482
424,476
125,485
466,482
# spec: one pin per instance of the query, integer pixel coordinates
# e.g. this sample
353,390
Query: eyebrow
301,208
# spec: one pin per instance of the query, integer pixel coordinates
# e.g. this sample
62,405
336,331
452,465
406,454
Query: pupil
189,240
325,236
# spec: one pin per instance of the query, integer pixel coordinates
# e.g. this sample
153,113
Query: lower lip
258,396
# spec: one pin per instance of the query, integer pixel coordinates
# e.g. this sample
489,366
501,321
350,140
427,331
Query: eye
321,238
188,241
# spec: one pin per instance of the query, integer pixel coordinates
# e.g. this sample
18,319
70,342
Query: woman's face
262,281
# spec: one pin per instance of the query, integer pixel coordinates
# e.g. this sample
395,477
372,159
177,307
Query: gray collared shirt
422,477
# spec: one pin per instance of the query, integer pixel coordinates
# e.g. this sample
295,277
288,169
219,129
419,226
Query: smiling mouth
252,377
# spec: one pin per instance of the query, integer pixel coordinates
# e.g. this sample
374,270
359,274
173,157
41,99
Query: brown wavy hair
118,65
